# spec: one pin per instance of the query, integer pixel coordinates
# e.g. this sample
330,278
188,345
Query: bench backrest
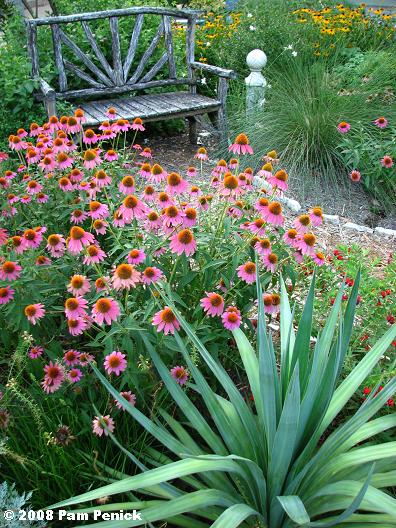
112,75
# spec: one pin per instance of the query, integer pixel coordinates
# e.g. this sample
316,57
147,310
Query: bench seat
150,107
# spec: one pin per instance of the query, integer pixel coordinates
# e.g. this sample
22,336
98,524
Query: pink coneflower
17,245
56,245
138,124
78,216
269,307
105,310
387,162
136,256
145,170
41,197
166,321
125,277
91,159
32,238
72,126
76,175
35,130
78,239
355,176
137,147
146,153
111,113
132,208
111,155
100,226
149,193
85,359
172,216
153,222
302,223
270,261
75,307
79,115
290,237
319,259
12,198
316,216
64,161
343,127
273,215
190,217
129,397
241,145
3,236
78,285
42,260
175,184
183,242
127,185
108,133
89,137
98,210
33,156
230,185
195,191
305,243
6,294
26,199
256,226
164,200
381,122
121,125
180,374
156,174
10,270
118,219
65,184
102,283
77,326
33,187
102,425
159,251
53,377
298,256
213,304
231,318
263,246
247,272
74,375
47,164
71,357
201,154
191,172
101,179
115,363
35,352
16,143
34,312
279,180
151,274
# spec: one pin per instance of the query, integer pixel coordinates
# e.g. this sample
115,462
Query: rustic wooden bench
108,77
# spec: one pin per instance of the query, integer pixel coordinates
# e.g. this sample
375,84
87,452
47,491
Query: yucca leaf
287,336
352,382
235,515
295,509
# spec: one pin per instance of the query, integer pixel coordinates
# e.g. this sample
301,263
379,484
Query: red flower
390,402
366,390
390,318
358,299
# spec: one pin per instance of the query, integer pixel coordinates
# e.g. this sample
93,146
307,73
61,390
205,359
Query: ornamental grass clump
287,456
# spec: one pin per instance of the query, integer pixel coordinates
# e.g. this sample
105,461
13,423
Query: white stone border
295,206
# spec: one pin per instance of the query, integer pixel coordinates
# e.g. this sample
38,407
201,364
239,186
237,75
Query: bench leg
219,121
50,106
193,135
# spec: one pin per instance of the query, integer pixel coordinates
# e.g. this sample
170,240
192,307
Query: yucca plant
289,459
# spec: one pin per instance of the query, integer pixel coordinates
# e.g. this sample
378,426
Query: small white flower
252,28
289,47
294,53
207,44
249,15
203,80
269,85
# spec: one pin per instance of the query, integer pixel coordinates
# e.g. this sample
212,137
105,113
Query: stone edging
295,206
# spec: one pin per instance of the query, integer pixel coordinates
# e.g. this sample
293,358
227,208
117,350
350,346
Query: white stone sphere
256,59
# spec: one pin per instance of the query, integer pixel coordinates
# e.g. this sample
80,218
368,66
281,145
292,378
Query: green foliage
11,500
265,461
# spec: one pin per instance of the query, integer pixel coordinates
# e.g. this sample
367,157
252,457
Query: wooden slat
116,50
97,110
164,100
133,107
32,48
91,92
221,72
147,54
72,67
87,61
169,46
133,45
98,52
182,13
59,58
190,52
155,69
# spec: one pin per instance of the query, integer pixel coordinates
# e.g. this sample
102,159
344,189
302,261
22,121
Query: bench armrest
221,72
46,89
